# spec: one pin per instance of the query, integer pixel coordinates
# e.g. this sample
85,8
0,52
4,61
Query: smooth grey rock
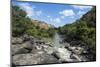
63,54
17,49
48,59
25,59
27,45
29,59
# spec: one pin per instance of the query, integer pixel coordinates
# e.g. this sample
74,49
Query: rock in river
29,59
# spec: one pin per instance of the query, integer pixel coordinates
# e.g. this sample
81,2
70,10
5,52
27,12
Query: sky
54,14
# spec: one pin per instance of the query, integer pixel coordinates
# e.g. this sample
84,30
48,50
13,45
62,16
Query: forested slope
21,24
82,32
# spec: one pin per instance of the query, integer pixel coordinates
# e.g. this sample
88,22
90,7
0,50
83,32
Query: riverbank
27,50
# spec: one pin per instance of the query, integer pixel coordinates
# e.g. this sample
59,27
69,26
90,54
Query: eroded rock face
29,59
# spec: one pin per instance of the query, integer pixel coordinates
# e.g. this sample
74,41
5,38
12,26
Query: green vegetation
21,24
83,30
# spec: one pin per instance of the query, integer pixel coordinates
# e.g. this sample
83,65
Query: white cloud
48,16
81,12
57,20
81,7
30,10
62,17
66,13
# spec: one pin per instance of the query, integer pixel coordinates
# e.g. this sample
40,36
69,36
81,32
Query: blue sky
54,14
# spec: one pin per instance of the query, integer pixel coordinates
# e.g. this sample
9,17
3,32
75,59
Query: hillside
82,32
42,25
21,24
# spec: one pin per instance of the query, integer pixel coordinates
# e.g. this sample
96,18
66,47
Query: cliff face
42,24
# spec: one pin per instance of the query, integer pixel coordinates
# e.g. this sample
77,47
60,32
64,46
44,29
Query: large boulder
25,59
38,51
48,59
18,49
49,50
63,55
30,59
27,45
45,48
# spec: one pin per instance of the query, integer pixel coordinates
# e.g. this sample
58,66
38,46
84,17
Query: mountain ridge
42,24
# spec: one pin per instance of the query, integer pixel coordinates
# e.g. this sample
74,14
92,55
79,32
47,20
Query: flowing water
57,41
64,53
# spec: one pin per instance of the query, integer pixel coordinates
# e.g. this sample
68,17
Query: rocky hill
42,24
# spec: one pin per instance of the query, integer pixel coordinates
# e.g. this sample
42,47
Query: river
63,53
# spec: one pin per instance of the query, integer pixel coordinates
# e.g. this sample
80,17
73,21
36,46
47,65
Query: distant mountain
42,24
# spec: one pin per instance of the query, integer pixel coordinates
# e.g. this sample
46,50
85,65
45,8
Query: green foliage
83,30
21,24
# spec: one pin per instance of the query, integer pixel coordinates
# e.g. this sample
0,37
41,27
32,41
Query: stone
16,40
30,59
48,59
26,37
49,50
78,50
25,59
77,57
17,49
27,45
63,55
34,51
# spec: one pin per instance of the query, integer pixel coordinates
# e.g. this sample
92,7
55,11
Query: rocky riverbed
27,50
